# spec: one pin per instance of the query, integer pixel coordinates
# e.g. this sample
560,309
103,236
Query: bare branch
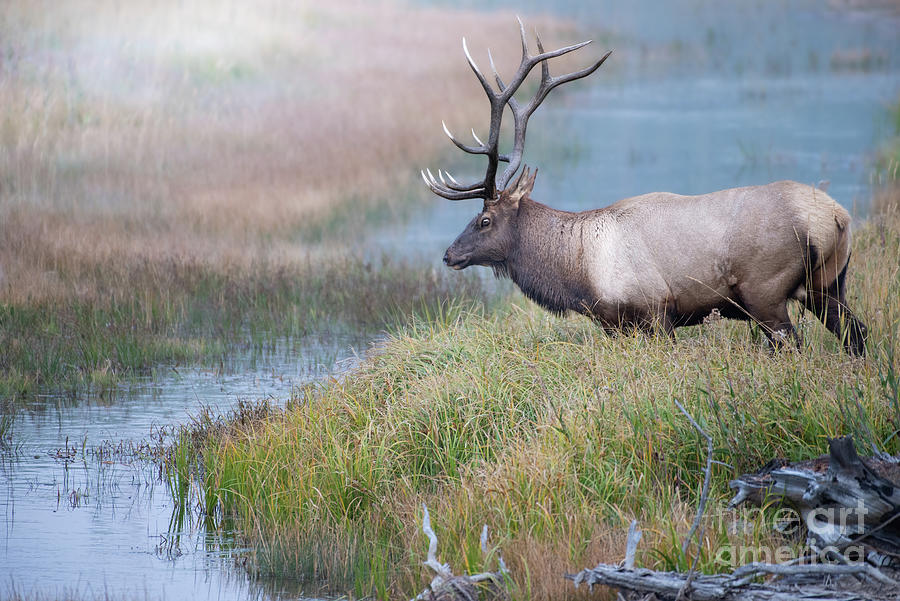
631,543
704,495
447,586
441,569
754,569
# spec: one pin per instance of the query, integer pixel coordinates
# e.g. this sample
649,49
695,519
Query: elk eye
485,222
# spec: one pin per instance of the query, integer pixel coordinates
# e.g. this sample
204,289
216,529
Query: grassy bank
553,434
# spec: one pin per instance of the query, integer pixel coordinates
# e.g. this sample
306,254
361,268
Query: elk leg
775,322
831,307
665,323
653,324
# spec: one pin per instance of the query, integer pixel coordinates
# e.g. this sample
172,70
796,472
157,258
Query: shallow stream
85,510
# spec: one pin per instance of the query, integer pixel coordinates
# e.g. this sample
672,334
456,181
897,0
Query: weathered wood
843,500
640,583
445,586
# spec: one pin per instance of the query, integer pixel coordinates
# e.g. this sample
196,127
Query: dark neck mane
547,263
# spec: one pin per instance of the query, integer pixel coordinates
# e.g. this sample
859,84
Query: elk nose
447,257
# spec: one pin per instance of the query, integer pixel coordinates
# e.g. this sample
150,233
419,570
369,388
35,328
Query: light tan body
691,252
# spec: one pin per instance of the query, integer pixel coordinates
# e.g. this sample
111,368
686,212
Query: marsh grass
186,313
554,435
219,133
7,426
179,178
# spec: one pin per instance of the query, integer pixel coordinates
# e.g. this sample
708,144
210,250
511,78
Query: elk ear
523,186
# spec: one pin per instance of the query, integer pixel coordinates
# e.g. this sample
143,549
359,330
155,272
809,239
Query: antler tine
483,149
524,38
521,114
450,193
529,62
473,149
560,51
455,185
465,147
555,81
500,83
545,66
481,79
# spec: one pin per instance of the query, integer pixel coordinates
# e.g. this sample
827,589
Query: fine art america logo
827,532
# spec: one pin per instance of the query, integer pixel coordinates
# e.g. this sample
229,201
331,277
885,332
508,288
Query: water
699,95
94,524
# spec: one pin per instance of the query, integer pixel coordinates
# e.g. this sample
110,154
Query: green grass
550,432
182,313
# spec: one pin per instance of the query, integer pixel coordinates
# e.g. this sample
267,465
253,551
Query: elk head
490,235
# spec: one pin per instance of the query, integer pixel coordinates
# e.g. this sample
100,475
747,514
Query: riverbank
552,434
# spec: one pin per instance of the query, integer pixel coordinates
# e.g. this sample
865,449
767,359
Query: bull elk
657,260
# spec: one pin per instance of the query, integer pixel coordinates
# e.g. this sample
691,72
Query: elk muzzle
454,260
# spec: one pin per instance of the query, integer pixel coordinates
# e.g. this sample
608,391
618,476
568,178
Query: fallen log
737,586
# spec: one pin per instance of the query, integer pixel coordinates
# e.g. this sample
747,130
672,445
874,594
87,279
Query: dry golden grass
886,204
174,175
214,132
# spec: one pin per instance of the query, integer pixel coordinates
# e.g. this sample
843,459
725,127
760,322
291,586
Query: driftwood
739,585
466,587
850,508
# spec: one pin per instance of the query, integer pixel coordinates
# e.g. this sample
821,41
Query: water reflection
86,509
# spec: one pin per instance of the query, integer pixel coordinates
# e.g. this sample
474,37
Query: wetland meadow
232,365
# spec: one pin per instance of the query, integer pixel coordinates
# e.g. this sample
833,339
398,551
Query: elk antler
488,188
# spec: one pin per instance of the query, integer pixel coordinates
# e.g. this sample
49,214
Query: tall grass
554,435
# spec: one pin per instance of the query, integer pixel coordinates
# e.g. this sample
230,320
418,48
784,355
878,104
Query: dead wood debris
850,508
466,587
